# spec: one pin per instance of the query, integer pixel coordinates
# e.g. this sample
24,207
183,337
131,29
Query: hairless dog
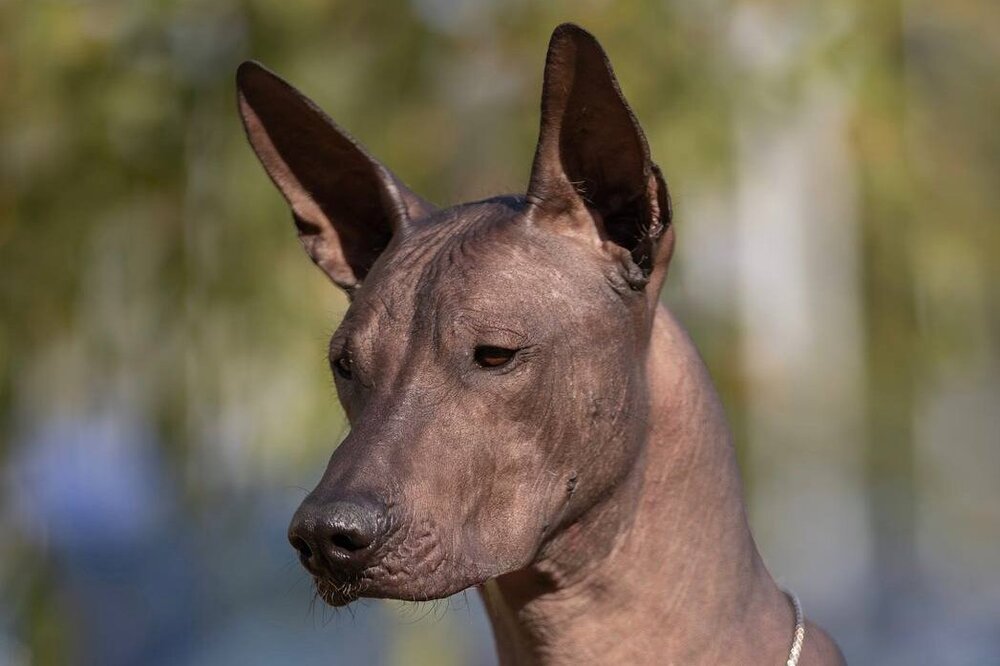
526,417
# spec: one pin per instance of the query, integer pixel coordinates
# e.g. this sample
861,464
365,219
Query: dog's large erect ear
592,156
346,205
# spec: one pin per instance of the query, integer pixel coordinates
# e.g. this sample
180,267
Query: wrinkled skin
525,416
478,464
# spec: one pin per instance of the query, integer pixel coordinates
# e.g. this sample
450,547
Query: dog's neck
667,565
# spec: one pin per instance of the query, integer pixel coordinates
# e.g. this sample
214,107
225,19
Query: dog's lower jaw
337,594
423,582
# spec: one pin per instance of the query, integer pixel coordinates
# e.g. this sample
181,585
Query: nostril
302,546
336,536
346,542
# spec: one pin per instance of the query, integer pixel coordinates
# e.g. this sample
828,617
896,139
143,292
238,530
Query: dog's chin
338,599
340,594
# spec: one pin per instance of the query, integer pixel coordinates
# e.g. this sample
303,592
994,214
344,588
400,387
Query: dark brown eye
493,357
343,367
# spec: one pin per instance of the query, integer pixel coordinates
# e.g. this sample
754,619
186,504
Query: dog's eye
493,357
343,367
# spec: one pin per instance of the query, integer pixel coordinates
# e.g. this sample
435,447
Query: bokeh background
164,399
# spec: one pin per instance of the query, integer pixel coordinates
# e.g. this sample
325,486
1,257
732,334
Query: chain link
800,631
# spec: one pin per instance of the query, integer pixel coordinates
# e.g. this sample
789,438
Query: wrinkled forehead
482,258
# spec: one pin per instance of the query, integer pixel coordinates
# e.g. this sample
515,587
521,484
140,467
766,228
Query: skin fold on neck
665,570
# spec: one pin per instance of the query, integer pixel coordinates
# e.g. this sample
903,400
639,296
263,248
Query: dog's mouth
340,590
410,566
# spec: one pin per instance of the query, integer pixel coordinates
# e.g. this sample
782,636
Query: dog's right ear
347,206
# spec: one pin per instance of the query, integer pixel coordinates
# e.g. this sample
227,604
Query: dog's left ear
592,164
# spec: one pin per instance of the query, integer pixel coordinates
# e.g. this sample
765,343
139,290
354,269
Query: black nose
337,538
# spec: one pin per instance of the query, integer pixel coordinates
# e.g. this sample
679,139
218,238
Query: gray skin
526,416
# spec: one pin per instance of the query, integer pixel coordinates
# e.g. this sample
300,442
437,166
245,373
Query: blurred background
164,398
